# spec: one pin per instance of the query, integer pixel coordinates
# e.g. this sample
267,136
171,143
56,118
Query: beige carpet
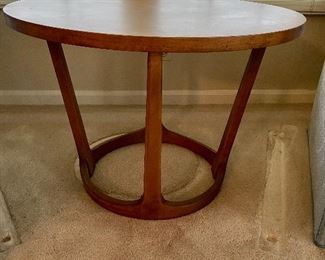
57,220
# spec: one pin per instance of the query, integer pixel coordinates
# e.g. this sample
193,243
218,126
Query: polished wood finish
70,102
153,133
152,205
161,208
156,26
238,109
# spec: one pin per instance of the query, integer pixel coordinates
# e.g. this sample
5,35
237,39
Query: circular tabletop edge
153,43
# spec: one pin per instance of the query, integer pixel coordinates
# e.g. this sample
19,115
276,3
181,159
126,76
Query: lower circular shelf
139,208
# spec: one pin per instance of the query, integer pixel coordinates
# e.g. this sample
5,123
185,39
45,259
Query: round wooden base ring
163,209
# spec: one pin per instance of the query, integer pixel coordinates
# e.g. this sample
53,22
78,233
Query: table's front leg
152,197
236,114
71,105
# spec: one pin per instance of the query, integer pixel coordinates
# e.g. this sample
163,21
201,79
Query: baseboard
170,97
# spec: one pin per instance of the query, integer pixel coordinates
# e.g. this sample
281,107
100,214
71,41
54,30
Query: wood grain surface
156,26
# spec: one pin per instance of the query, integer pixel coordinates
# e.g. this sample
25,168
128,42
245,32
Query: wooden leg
152,205
153,133
71,105
237,112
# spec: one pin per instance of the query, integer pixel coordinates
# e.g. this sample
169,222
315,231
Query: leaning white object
8,234
317,161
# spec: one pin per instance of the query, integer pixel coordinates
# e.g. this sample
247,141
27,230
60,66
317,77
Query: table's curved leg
71,105
236,114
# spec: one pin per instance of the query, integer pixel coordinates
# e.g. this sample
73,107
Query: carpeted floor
57,220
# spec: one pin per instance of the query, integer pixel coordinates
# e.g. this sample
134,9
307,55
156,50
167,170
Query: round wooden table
155,27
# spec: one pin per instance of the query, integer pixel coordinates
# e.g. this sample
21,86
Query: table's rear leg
71,105
152,197
236,114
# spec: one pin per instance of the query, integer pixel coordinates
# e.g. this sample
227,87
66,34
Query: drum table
155,27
